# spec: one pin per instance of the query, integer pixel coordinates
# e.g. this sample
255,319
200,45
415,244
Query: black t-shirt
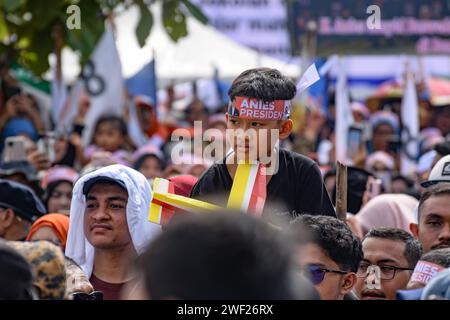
296,188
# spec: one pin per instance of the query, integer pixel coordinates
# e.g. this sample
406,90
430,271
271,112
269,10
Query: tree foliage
27,26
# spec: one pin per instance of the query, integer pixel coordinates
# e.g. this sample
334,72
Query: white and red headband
256,109
425,271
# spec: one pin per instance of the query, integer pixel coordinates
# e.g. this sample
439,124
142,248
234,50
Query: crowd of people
74,218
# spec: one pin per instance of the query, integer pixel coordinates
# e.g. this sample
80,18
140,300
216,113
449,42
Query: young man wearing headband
260,103
429,265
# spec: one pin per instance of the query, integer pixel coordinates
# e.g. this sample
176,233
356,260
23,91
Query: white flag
344,117
309,77
103,82
410,131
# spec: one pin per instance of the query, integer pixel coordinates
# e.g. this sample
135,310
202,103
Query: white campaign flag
344,117
410,131
103,82
309,77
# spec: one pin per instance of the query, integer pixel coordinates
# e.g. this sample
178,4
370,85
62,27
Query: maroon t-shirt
111,291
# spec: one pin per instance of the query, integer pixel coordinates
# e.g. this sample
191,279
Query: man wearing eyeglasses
390,256
328,253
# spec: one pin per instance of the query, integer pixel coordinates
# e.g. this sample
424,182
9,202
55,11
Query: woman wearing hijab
58,184
143,125
52,227
385,132
149,160
387,210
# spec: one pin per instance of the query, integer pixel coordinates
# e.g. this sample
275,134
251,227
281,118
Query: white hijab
141,230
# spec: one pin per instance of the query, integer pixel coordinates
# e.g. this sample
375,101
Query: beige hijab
387,210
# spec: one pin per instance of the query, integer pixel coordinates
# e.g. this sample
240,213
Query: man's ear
414,228
348,283
286,128
7,218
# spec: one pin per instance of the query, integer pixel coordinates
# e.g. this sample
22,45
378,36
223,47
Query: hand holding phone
46,146
354,141
39,160
15,149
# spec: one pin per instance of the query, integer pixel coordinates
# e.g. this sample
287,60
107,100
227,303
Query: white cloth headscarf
139,195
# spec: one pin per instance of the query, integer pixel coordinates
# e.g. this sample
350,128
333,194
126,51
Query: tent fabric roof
192,57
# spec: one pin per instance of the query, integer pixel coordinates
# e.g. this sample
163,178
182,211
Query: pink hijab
388,210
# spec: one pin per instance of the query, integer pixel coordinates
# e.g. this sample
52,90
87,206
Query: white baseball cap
439,173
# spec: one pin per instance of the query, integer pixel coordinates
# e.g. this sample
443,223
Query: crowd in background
394,222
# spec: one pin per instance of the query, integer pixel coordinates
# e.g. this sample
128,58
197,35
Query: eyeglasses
387,272
94,295
316,273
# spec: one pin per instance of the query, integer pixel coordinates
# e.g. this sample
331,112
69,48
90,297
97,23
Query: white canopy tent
192,57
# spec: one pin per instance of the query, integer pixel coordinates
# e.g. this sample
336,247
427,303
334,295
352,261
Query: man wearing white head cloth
109,226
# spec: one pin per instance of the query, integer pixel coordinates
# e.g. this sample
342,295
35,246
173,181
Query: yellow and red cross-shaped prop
248,194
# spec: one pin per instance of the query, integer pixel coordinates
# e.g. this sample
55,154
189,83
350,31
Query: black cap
14,167
21,199
90,183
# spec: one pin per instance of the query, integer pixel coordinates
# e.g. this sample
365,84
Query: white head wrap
139,195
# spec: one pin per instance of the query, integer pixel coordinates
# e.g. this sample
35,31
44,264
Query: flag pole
341,191
155,84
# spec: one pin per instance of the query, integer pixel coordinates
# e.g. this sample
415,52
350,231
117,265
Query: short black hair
438,189
413,248
116,121
439,256
224,255
332,235
262,83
